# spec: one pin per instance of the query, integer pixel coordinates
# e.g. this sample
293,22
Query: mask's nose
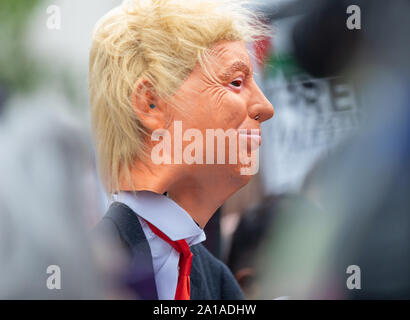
259,108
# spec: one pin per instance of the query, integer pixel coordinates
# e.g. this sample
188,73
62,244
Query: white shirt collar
165,214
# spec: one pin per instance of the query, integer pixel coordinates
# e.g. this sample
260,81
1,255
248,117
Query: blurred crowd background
334,181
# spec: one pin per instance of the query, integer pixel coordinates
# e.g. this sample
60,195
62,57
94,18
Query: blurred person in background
50,196
44,59
247,240
360,190
250,239
45,196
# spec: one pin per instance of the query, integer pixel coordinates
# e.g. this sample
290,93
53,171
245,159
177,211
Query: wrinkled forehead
223,60
226,53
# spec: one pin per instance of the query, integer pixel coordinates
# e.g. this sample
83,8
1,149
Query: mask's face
225,98
214,132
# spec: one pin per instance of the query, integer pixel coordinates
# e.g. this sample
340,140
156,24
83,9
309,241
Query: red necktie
185,262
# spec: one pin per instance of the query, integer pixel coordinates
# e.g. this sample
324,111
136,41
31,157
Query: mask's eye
236,83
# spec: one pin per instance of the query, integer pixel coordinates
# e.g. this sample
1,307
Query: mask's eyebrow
238,65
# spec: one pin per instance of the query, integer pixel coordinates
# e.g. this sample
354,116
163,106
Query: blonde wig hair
160,41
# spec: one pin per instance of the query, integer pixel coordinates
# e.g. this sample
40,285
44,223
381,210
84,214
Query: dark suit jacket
210,278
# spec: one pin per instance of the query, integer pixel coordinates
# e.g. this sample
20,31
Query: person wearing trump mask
164,74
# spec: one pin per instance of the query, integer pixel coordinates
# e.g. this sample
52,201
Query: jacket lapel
141,278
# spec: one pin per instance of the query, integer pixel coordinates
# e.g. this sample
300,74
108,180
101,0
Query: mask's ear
149,109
